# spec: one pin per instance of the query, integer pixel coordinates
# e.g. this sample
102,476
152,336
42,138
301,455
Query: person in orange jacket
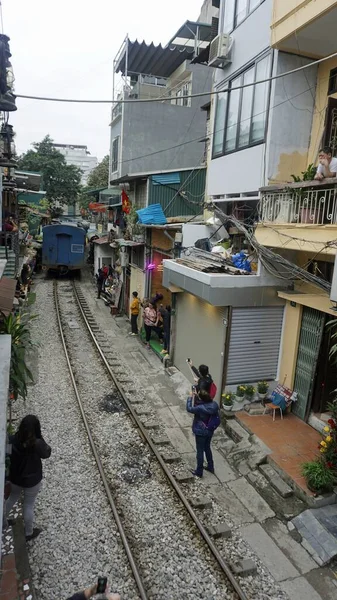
134,309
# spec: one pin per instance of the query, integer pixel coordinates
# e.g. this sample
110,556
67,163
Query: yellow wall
291,15
137,284
291,335
279,236
321,103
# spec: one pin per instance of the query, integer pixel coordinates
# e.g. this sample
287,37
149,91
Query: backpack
213,390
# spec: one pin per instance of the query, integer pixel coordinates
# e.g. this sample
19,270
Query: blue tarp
152,215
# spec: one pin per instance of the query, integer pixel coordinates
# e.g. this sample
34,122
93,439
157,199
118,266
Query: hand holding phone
188,360
101,584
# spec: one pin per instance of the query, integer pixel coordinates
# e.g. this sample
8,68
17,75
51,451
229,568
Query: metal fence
308,206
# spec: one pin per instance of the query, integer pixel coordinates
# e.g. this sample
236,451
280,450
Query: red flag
126,204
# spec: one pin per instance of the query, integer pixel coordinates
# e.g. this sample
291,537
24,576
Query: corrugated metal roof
188,198
153,214
166,179
152,60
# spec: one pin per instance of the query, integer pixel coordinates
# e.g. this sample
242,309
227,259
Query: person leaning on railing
327,164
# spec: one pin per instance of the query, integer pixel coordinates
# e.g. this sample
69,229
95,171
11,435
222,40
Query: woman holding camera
205,422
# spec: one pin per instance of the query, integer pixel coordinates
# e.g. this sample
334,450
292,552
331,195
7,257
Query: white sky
65,48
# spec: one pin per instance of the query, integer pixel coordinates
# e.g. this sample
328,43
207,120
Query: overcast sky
65,48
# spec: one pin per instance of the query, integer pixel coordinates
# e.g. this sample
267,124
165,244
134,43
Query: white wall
237,173
102,251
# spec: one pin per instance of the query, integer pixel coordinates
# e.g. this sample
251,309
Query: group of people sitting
157,319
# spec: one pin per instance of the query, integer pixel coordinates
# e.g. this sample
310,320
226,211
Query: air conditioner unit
219,51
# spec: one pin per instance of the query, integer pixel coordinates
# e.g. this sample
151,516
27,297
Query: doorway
330,131
325,381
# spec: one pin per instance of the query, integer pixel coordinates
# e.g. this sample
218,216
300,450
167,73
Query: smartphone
188,360
101,585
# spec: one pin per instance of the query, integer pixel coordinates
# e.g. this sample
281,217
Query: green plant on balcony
133,228
18,328
307,175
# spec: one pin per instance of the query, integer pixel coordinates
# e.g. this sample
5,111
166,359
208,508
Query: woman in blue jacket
206,420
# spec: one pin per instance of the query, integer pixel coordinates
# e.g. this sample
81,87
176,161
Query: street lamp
7,98
7,146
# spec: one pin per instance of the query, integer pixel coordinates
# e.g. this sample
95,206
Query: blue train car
63,247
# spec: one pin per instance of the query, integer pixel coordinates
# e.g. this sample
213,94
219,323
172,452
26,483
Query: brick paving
292,442
15,579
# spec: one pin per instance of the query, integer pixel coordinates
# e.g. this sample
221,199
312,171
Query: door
63,241
254,345
310,341
330,131
200,333
325,381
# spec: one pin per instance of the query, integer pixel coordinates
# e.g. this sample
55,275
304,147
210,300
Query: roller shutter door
254,345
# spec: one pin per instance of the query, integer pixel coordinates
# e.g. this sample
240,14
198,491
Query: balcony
299,216
305,27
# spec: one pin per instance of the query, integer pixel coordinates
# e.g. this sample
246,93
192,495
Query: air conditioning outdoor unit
219,51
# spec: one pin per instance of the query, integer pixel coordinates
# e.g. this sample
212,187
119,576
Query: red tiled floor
292,441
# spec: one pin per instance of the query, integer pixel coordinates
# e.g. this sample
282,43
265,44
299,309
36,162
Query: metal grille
313,207
254,344
308,349
333,132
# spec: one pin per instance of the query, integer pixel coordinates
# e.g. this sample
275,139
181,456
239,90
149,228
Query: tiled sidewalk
292,442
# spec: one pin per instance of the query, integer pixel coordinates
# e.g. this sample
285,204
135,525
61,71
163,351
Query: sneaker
34,535
196,474
209,470
163,352
133,333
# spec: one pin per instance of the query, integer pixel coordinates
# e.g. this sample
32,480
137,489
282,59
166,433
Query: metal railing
299,204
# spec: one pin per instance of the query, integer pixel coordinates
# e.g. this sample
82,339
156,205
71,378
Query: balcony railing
309,203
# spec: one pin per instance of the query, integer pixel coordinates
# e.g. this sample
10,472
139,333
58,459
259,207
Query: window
332,82
236,11
182,94
138,256
241,114
114,155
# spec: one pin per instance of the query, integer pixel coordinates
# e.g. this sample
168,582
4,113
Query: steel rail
125,542
222,563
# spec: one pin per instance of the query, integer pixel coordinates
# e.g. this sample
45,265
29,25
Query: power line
169,98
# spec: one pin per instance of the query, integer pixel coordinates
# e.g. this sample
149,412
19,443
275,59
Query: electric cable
197,95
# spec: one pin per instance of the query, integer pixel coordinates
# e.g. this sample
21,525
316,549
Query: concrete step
318,528
283,507
276,481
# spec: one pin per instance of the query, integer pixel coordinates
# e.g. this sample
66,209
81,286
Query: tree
98,178
61,182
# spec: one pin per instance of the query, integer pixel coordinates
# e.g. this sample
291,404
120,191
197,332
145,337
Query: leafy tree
99,177
62,182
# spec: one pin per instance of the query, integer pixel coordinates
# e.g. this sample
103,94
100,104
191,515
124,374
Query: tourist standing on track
203,379
134,309
205,422
25,474
150,321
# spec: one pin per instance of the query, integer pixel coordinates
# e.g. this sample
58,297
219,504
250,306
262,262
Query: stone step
287,507
236,431
318,528
276,481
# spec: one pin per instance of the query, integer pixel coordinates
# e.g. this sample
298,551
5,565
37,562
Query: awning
192,33
7,293
152,60
129,243
320,302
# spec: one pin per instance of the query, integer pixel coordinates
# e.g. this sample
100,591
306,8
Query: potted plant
262,389
249,392
320,478
240,393
228,400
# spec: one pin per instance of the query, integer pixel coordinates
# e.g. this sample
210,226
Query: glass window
240,11
246,108
219,123
253,4
245,123
260,100
233,116
229,16
114,155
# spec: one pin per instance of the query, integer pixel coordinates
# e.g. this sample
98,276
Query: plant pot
239,398
308,216
262,396
227,406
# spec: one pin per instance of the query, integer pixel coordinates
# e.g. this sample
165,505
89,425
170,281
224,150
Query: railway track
158,484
